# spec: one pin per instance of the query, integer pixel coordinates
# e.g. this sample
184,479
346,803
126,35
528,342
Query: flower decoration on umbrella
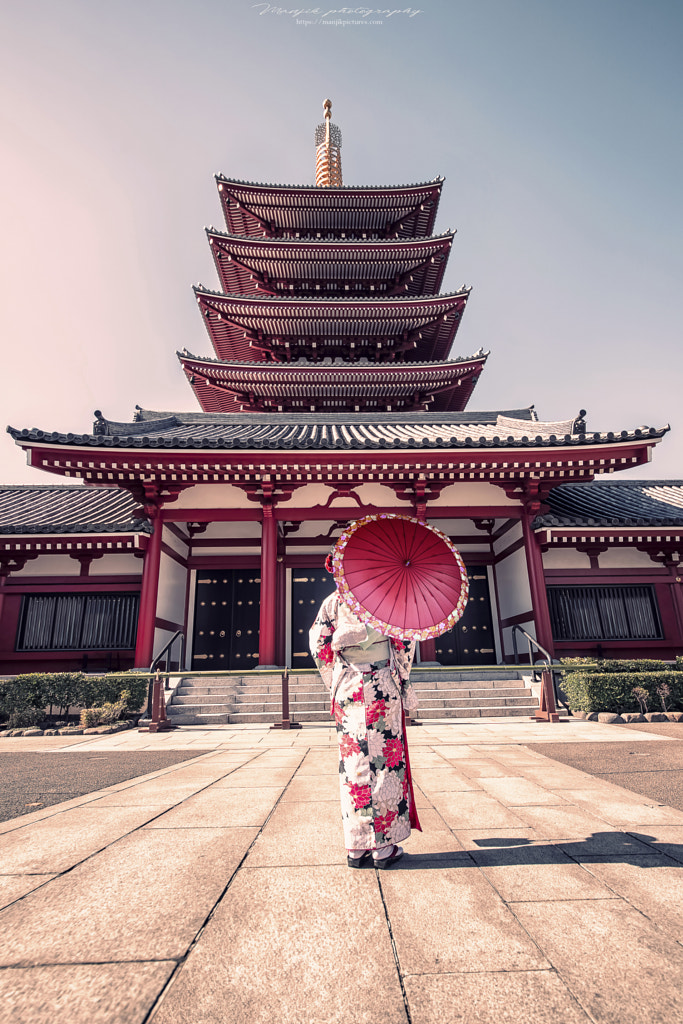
401,576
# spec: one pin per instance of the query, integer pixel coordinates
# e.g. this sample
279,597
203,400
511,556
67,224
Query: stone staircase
257,697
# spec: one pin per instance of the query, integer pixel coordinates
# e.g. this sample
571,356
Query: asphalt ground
650,768
29,781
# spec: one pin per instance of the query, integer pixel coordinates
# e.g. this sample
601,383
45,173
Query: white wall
626,558
565,558
50,565
116,565
172,587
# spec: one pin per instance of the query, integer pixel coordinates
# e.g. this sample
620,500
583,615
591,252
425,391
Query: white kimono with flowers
367,701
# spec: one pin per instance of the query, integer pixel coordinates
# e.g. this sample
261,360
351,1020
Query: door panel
226,621
470,642
310,587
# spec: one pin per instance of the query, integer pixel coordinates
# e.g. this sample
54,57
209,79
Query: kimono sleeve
403,652
320,638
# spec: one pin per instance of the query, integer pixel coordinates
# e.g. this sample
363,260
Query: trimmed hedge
23,700
609,685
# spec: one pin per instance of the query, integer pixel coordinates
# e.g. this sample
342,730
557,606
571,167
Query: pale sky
556,125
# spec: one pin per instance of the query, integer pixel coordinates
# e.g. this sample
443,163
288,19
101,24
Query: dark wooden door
310,587
470,642
226,620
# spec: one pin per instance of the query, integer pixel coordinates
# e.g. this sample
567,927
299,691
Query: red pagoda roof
243,328
233,387
399,211
267,266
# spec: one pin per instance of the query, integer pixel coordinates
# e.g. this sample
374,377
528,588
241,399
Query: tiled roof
615,503
250,208
251,266
69,510
225,385
273,431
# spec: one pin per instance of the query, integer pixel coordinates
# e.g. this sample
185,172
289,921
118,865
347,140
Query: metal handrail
559,695
166,650
155,671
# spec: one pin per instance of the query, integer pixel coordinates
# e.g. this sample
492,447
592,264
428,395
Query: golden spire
328,140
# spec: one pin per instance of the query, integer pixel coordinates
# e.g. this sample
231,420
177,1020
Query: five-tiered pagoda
333,391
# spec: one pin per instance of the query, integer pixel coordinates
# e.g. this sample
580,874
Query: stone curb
75,731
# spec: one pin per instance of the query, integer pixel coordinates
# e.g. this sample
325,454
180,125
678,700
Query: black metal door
226,620
470,642
310,587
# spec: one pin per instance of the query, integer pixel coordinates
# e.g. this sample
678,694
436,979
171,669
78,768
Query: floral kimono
367,700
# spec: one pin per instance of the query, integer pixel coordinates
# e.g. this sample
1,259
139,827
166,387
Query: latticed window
78,622
604,613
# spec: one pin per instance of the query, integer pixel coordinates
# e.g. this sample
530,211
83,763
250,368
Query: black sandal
385,862
356,862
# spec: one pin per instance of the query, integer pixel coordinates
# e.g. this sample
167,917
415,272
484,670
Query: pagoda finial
328,140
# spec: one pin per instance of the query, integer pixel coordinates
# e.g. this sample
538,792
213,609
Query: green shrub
107,714
613,691
24,699
612,665
63,690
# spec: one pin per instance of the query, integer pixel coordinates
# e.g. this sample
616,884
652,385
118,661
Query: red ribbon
414,820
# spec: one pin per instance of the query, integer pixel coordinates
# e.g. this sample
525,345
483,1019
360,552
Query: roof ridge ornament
328,142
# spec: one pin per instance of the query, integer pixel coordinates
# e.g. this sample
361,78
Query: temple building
336,388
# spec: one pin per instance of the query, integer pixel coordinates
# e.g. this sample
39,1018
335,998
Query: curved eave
255,209
267,438
44,529
277,266
225,387
246,328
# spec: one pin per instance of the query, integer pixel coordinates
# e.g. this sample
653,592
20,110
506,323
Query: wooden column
268,615
144,648
539,596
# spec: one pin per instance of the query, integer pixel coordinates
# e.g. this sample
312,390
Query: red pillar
268,617
539,597
144,648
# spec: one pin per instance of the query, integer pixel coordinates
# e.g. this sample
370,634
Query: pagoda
330,299
333,391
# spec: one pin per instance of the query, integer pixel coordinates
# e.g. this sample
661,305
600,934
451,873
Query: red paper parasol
401,576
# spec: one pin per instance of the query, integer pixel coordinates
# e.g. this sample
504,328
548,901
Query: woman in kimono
368,676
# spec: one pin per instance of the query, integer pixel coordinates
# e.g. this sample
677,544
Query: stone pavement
216,889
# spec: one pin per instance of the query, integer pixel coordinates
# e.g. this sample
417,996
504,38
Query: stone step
491,712
472,683
479,702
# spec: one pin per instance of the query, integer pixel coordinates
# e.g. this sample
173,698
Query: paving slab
13,887
537,871
443,780
99,911
451,921
81,994
621,808
507,997
256,778
564,821
481,769
515,791
309,789
218,807
618,965
57,843
473,810
666,839
653,885
163,790
300,834
265,956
